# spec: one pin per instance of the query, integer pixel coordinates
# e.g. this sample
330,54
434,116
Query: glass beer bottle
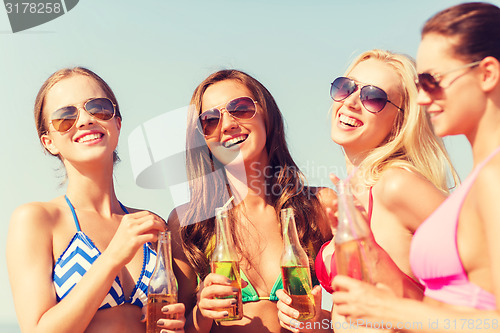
162,289
353,239
295,269
225,262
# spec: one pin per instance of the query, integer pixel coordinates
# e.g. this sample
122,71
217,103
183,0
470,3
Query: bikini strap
370,205
73,212
123,207
77,223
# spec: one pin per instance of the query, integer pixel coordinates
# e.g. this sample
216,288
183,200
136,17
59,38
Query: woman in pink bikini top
455,253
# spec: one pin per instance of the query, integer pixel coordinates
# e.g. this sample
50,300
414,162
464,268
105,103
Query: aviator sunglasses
64,119
430,83
239,108
373,98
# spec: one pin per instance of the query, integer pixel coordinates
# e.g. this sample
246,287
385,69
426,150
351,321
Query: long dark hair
474,27
207,193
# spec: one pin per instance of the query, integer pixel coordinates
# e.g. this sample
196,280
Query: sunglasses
238,108
64,119
430,83
373,98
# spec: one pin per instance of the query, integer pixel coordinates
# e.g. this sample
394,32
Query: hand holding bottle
176,311
217,296
354,243
162,289
295,270
288,316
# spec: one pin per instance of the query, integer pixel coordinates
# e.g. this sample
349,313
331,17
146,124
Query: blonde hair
411,144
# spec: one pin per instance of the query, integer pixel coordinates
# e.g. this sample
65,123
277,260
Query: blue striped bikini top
79,256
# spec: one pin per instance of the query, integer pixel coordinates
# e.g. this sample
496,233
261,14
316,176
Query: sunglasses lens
341,88
101,108
209,120
64,118
241,108
373,99
428,83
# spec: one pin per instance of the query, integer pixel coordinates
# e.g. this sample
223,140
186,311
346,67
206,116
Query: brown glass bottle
162,289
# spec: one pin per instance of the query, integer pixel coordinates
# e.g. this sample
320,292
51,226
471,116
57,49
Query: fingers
216,296
345,283
175,319
335,180
317,294
286,314
213,278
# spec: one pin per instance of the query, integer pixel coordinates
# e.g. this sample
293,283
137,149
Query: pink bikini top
434,256
321,273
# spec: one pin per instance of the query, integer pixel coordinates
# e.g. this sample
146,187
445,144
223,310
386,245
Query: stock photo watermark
431,324
26,14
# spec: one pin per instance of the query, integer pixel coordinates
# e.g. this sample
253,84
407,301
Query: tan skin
395,213
469,105
40,231
262,242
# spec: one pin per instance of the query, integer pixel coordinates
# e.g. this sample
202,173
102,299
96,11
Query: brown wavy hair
474,27
207,193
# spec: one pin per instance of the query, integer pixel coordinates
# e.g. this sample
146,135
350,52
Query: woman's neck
92,188
485,137
250,183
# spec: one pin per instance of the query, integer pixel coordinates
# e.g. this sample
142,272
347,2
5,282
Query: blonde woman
399,166
455,252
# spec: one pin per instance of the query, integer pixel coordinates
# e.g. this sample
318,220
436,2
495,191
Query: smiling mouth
235,141
89,137
348,121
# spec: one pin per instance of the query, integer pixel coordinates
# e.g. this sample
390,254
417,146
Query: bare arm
30,264
365,304
187,280
379,304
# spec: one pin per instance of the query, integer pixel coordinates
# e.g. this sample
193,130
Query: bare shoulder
36,216
407,195
31,229
398,186
173,221
487,189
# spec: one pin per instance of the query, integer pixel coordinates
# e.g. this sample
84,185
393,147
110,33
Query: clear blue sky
154,53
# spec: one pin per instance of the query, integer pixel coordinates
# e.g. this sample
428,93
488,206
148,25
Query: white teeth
89,137
349,121
234,141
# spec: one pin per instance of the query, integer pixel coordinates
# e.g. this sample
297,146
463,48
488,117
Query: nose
228,122
84,118
353,101
423,97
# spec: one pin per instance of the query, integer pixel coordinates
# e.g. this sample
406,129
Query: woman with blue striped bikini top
79,257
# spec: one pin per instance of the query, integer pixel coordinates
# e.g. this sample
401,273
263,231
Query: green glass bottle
225,262
295,269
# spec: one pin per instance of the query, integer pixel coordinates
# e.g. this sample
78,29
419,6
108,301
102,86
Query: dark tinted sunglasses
239,108
373,98
430,83
64,119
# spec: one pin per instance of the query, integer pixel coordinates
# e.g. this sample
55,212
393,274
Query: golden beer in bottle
162,288
295,270
225,262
